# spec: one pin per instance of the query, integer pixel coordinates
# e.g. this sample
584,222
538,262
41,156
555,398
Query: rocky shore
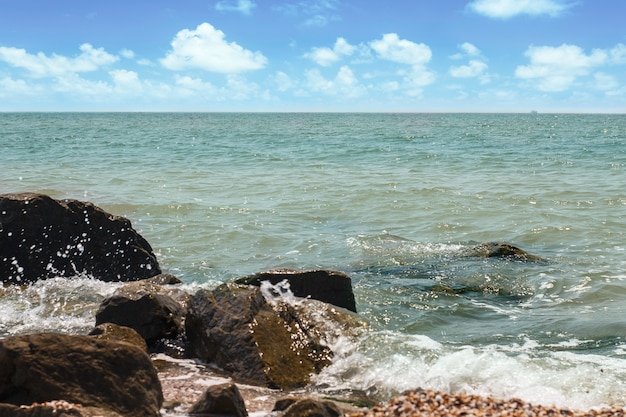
247,347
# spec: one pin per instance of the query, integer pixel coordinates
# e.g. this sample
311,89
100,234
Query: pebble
437,404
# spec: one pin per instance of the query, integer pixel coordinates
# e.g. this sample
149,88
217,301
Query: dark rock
256,342
79,369
55,409
146,308
112,331
501,250
43,238
163,279
223,400
309,407
331,287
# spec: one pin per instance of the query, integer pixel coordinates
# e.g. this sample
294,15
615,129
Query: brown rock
309,407
223,400
237,329
43,238
81,370
54,409
331,287
115,332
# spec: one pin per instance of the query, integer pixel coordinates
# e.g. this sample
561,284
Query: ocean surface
393,200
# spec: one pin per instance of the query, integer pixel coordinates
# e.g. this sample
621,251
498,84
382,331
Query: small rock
223,400
309,407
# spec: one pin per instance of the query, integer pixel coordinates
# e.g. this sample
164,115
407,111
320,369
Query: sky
313,55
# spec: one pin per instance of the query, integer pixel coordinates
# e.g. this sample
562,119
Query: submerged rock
43,238
501,250
83,370
277,344
331,287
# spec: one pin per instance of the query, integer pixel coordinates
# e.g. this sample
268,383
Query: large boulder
43,238
331,287
82,370
274,344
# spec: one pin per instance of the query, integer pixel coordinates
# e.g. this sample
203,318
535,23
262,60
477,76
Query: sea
394,200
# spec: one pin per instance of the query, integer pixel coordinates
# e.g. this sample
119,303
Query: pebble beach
435,404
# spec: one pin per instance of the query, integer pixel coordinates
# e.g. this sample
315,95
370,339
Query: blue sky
316,55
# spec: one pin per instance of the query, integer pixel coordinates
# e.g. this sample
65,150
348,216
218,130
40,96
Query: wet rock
43,238
115,332
501,250
149,309
307,407
223,400
331,287
276,344
55,409
163,279
83,370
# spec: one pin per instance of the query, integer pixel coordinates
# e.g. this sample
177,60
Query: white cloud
10,87
618,54
345,84
605,82
416,79
402,51
283,81
326,56
470,49
125,80
41,66
127,53
205,48
556,68
505,9
73,85
241,6
391,48
190,87
473,69
315,12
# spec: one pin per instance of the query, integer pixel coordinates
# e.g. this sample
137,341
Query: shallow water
394,200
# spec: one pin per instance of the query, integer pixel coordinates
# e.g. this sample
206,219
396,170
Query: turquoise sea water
393,200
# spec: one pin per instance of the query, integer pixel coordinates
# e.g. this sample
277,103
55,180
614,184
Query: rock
112,331
308,407
223,400
81,370
43,238
331,287
501,250
54,409
147,308
163,279
257,343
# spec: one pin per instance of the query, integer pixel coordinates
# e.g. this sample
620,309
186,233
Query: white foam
386,364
